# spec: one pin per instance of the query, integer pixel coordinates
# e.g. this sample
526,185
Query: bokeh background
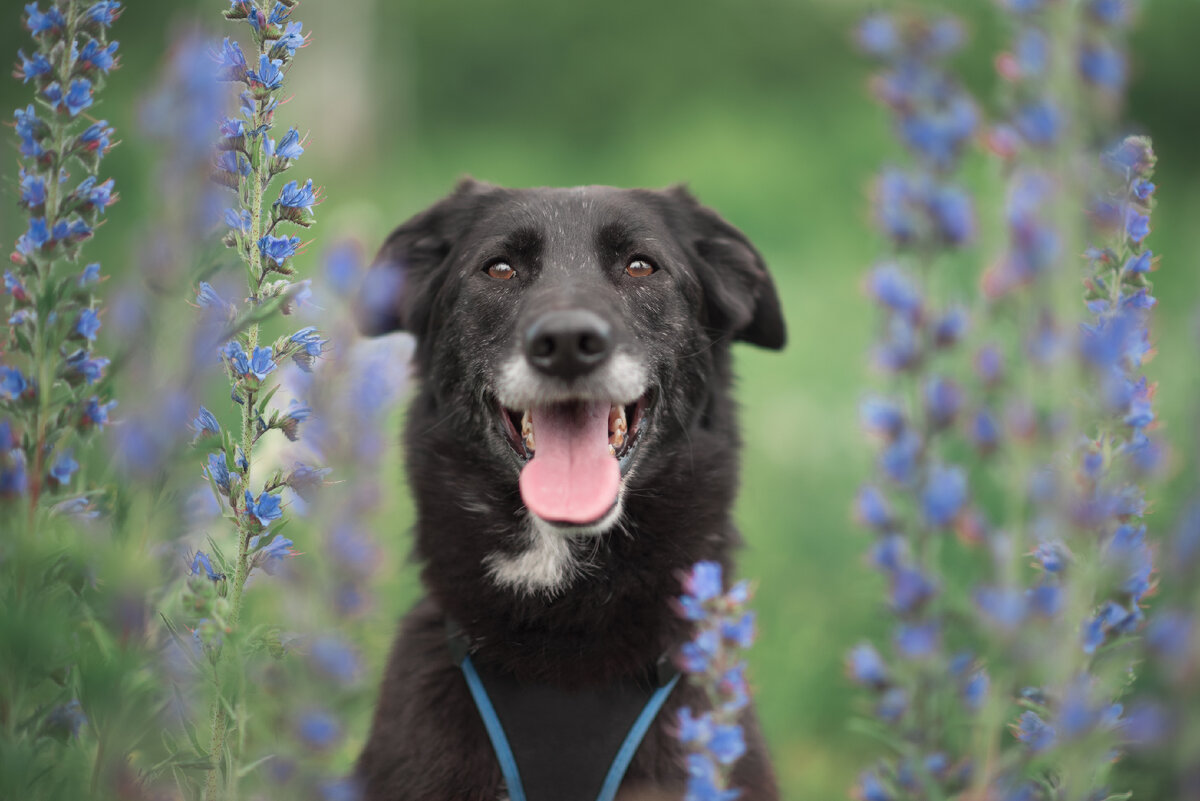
761,106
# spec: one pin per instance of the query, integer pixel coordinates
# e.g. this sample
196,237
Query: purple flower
88,324
953,213
63,468
871,788
312,346
739,632
878,35
703,582
882,417
238,219
269,76
899,459
234,163
278,248
910,590
265,509
1003,606
78,97
1103,66
207,297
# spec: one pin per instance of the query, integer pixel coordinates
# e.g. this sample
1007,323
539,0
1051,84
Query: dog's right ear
399,290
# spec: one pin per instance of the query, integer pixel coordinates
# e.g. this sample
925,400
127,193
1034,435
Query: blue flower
63,468
1003,606
261,363
12,383
104,12
899,459
31,130
95,56
88,324
871,509
910,590
953,212
90,369
278,248
975,690
335,659
871,788
13,480
79,96
205,424
231,63
279,14
1137,226
218,471
207,297
268,75
878,35
39,23
944,494
1103,65
917,640
703,582
201,561
1141,263
696,656
943,399
239,364
727,744
1039,122
265,509
291,39
233,163
304,480
96,136
296,414
66,719
739,632
33,189
866,667
238,220
312,346
33,67
95,413
289,146
318,729
892,287
693,729
1034,732
297,197
34,238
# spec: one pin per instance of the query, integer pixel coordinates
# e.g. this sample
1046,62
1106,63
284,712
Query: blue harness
552,741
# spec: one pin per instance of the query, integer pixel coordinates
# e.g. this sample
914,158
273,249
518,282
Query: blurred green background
761,107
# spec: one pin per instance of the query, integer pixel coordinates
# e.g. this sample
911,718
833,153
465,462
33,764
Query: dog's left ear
739,295
402,285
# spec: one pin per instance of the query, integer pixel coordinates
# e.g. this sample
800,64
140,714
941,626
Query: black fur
569,246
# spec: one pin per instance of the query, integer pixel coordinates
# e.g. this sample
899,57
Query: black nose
568,343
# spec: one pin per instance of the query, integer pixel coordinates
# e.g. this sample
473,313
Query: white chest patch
548,563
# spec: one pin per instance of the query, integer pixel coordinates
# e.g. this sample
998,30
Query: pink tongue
571,478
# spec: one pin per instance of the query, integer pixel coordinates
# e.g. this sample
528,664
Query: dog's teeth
527,430
617,428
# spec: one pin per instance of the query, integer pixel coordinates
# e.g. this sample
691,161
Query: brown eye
500,270
639,268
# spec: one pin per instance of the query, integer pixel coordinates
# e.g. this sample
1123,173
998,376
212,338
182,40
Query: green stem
256,182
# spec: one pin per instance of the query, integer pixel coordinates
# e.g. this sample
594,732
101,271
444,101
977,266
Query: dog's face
564,334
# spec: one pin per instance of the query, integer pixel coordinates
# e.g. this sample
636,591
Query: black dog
572,449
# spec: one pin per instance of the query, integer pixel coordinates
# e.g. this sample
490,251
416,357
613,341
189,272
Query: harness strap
504,752
508,762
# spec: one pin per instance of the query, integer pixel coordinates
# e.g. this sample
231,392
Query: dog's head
564,334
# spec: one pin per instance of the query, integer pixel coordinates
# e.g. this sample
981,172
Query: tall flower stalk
248,161
52,396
